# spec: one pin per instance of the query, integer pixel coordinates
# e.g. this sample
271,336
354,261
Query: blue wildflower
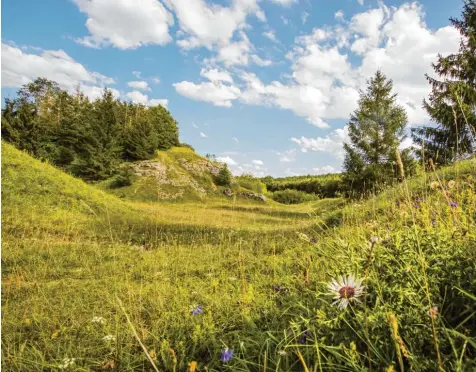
196,310
226,355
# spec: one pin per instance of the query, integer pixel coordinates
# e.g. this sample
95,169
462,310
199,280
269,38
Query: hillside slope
76,260
175,174
40,199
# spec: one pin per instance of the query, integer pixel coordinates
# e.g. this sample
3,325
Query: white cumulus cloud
139,97
19,68
125,24
216,93
139,85
215,75
208,25
227,160
332,143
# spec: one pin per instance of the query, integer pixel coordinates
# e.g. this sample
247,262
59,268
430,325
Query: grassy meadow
92,281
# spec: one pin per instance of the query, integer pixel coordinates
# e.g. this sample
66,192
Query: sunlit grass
71,250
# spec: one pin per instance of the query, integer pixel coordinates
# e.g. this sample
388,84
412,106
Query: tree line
326,186
86,138
378,127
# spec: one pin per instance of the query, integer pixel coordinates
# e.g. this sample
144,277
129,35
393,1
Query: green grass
72,251
185,179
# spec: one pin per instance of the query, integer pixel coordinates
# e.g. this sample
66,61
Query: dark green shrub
292,197
123,178
223,177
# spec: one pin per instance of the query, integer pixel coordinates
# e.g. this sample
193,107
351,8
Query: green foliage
223,178
289,196
165,127
123,178
260,273
452,102
376,129
88,139
248,181
326,186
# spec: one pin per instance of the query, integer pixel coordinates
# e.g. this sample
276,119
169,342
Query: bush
248,181
123,178
292,196
223,177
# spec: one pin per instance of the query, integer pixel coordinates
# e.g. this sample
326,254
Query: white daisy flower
345,290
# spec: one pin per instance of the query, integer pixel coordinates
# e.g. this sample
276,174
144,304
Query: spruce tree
376,129
100,155
140,141
452,102
165,127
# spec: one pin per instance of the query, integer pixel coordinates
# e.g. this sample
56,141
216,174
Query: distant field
73,252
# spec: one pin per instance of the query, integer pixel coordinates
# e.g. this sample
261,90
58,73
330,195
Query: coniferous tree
101,150
452,102
86,138
223,177
376,129
165,127
140,140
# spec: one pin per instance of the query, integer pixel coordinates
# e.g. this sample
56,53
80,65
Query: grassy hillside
175,174
79,262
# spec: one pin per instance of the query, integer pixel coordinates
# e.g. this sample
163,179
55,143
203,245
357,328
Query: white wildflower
108,338
67,362
98,319
345,290
303,236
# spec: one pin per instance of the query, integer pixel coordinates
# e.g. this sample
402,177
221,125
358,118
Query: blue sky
266,85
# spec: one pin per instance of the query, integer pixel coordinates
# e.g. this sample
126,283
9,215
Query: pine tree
452,102
376,129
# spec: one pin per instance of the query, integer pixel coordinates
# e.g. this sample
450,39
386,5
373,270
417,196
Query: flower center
347,292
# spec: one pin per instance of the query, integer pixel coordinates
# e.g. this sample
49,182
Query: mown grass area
72,252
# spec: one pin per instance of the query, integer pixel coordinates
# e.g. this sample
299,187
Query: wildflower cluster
67,362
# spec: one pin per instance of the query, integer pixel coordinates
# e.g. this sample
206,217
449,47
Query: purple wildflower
314,240
277,287
453,204
304,336
226,355
196,310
